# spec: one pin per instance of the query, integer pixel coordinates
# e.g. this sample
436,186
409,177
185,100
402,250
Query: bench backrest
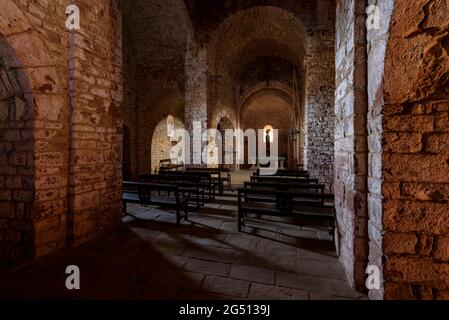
209,169
203,174
287,173
216,171
284,198
285,186
283,179
170,178
145,189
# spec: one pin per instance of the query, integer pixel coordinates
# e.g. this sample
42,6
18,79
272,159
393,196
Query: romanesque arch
34,138
163,140
17,173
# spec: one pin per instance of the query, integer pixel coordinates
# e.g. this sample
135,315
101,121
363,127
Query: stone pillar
96,121
319,113
351,140
196,93
377,37
33,128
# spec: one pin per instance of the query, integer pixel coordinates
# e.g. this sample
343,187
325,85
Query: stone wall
415,166
96,120
377,43
269,107
196,96
154,69
35,137
350,185
161,144
319,105
74,164
149,114
130,95
16,158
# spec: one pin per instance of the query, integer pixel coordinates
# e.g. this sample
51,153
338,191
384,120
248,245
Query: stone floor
205,258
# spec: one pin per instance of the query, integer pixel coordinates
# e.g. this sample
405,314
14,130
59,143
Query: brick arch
42,199
259,93
245,37
221,113
169,102
17,170
258,25
276,88
28,81
160,142
31,49
210,15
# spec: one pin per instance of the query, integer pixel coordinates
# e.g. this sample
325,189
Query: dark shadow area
119,265
151,258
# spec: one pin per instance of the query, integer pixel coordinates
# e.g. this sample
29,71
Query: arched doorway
163,139
34,138
17,172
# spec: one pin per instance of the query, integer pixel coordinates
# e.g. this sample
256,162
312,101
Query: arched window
268,131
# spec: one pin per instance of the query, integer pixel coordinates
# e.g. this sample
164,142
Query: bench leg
332,231
186,212
240,221
124,209
178,216
198,205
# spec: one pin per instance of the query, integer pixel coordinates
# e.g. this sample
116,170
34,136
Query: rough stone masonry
80,109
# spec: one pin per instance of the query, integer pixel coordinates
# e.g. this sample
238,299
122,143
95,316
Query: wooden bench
297,185
207,180
220,175
283,179
190,185
287,173
150,194
280,203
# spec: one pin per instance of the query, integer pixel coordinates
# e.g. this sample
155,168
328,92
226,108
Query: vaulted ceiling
209,14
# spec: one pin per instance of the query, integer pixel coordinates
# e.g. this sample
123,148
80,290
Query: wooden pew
150,194
287,173
218,176
207,180
297,185
281,203
283,179
187,184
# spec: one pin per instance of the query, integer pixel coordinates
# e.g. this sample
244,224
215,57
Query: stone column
377,42
196,93
351,140
319,113
95,202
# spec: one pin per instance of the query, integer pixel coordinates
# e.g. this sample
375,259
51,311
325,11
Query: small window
268,131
